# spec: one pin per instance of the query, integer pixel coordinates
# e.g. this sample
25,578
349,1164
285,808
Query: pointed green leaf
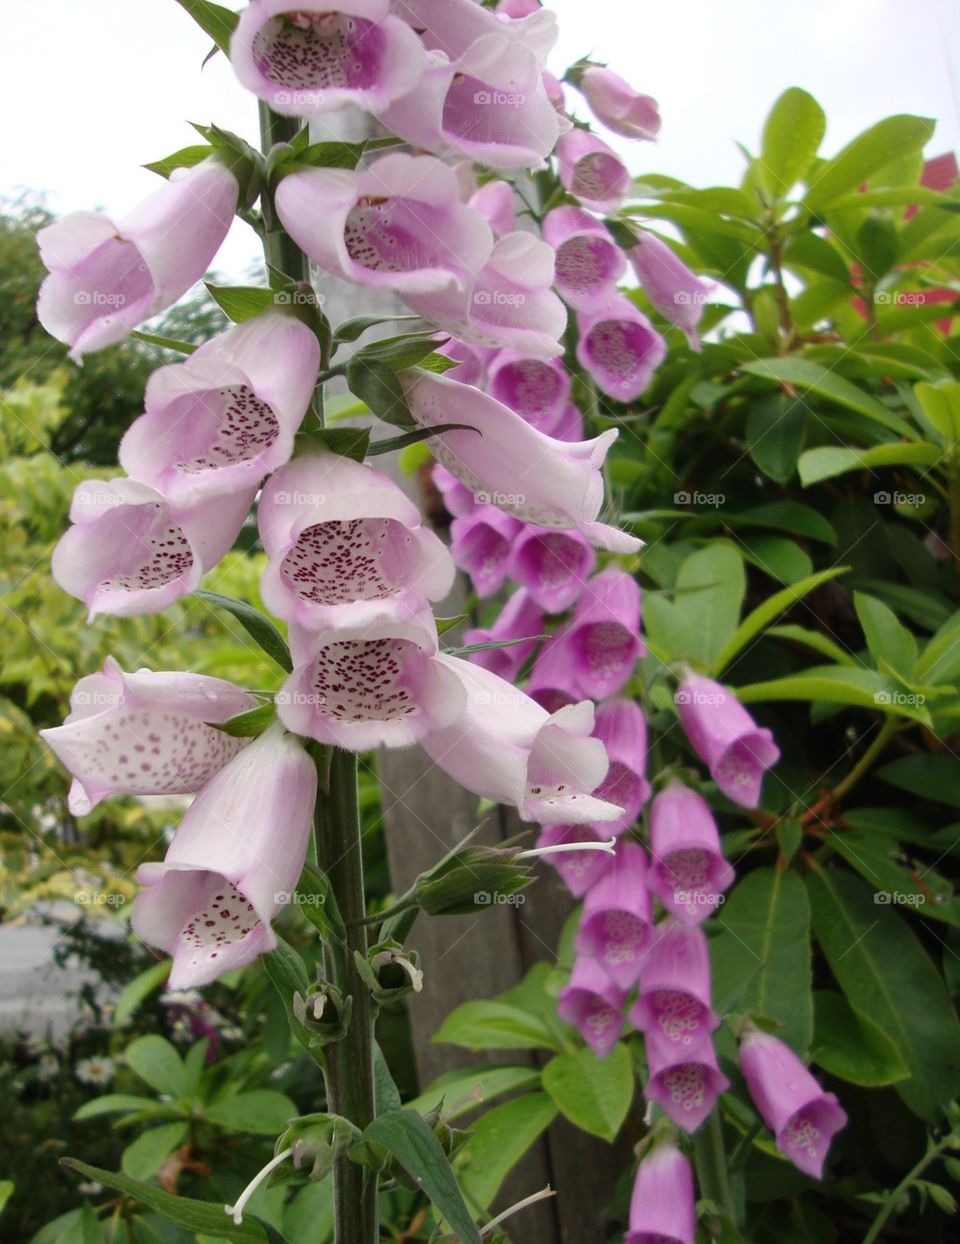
791,139
851,1046
257,626
144,1157
869,153
828,461
157,1063
218,22
241,302
806,374
249,725
594,1093
498,1141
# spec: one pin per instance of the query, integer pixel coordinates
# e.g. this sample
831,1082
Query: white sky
110,84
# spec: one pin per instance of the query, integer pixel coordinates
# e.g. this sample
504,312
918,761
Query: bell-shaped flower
520,618
457,498
145,733
233,862
617,105
396,224
454,26
685,1086
615,925
663,1202
593,1004
676,292
508,749
345,546
726,738
603,637
311,59
570,426
622,728
531,476
130,551
588,262
497,204
537,389
358,687
552,682
802,1117
107,278
592,172
673,1007
226,416
579,870
481,544
471,360
509,304
620,348
552,565
689,873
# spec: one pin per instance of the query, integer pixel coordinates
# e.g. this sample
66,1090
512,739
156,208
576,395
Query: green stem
280,250
893,1200
711,1162
880,741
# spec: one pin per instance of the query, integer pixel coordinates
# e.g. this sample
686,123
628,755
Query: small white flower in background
95,1070
89,1187
232,1034
181,1031
48,1067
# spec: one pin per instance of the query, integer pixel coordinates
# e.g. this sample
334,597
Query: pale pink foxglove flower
553,566
453,26
233,862
552,682
481,543
592,172
737,751
227,415
397,224
107,278
506,748
497,204
570,426
130,551
602,639
359,687
312,58
685,1086
673,1007
593,1004
457,498
676,292
520,618
617,105
615,925
345,546
588,261
622,729
619,347
471,360
663,1204
144,733
531,476
689,873
538,389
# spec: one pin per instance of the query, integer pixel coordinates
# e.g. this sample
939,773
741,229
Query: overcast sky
118,80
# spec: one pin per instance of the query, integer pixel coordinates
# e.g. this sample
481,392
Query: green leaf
772,607
218,22
499,1140
157,1063
594,1093
262,1112
877,243
465,1088
868,154
418,434
375,383
142,985
348,442
851,1046
168,343
791,139
353,328
775,433
399,353
809,375
828,461
186,157
887,640
941,404
192,1215
404,1134
150,1150
483,1025
761,956
385,1089
708,593
112,1103
839,685
778,557
875,859
815,640
886,974
317,902
251,724
241,302
928,777
257,626
790,516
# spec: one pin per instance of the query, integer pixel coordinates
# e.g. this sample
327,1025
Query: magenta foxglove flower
144,733
552,565
570,427
506,748
518,8
617,105
553,682
497,205
676,292
226,416
603,637
471,361
685,1086
130,551
538,389
520,618
588,262
232,864
674,1003
593,1004
397,224
579,870
802,1117
622,728
458,499
308,60
481,544
615,925
689,873
345,546
107,278
358,687
620,348
662,1206
531,476
726,738
592,172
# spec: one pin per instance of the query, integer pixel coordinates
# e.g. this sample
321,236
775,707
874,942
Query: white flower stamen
236,1211
609,847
